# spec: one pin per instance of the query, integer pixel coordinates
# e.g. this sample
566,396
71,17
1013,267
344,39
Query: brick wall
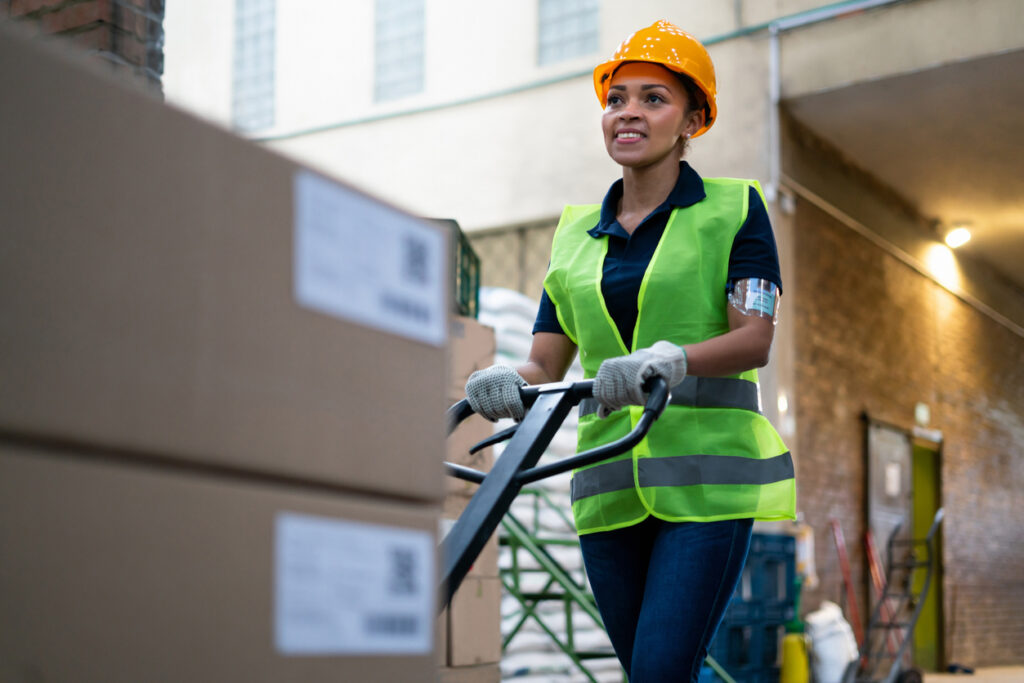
126,35
875,336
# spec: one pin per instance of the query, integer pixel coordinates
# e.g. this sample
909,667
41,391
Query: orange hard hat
666,44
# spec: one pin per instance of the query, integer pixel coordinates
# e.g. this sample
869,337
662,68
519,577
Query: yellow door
926,500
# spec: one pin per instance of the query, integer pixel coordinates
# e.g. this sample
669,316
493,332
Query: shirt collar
689,190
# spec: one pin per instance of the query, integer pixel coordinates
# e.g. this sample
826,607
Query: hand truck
547,407
896,612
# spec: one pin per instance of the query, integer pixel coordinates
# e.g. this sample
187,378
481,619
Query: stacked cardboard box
220,441
472,625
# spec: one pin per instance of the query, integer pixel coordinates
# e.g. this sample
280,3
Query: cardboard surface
441,633
472,348
486,563
474,623
484,673
115,573
471,431
147,285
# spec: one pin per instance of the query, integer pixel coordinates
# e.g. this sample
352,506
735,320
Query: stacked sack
532,656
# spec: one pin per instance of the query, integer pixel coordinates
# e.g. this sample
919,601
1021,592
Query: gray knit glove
619,381
494,393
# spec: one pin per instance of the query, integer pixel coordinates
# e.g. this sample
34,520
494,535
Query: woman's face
645,115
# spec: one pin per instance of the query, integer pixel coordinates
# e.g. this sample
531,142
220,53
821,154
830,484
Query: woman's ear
694,122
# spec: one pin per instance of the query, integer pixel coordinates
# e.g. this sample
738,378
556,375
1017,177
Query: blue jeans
662,588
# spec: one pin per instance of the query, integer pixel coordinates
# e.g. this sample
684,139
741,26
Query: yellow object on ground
794,659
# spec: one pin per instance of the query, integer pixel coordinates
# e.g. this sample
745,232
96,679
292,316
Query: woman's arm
745,346
550,356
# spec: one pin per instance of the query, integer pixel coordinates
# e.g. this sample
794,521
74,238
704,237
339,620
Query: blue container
707,675
750,636
749,675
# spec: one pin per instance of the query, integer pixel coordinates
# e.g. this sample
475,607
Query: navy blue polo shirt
753,255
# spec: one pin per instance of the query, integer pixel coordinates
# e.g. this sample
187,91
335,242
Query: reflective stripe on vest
681,470
704,392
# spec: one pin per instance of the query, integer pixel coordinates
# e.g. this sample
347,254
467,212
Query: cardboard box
474,623
122,572
486,563
441,631
485,673
162,295
471,431
472,348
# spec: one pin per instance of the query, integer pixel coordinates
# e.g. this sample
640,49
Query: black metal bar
579,390
458,412
656,401
593,455
503,435
465,473
492,500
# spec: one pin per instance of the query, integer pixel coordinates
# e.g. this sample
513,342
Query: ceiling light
958,236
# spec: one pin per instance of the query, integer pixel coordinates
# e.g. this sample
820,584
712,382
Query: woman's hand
494,391
619,381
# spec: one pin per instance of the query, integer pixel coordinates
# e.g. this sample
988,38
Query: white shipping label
363,261
892,479
347,588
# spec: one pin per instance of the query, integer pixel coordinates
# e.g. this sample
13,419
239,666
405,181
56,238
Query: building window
252,97
566,29
398,48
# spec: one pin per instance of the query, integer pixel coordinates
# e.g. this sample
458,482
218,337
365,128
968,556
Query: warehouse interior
202,429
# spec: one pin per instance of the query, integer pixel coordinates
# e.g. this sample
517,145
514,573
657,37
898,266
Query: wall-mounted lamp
958,236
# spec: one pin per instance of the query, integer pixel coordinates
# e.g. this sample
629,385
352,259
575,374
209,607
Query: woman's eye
655,98
613,99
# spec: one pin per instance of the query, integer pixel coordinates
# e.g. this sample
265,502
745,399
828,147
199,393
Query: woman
676,276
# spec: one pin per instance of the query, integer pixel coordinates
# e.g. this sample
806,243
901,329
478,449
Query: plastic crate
742,611
748,674
777,612
748,646
779,544
750,636
770,572
465,269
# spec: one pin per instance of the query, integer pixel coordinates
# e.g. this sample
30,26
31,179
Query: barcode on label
405,307
392,624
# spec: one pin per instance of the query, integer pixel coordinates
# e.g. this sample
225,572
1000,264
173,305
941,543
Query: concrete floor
995,674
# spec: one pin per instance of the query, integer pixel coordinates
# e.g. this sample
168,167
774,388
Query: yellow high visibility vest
712,455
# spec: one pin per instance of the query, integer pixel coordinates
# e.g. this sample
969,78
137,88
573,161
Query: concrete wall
902,38
198,50
494,139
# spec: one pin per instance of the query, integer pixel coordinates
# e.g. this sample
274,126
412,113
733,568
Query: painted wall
198,50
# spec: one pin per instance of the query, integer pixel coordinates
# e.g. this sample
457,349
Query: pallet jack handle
658,395
548,405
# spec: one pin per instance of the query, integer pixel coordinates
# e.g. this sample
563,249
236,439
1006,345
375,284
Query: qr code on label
415,264
402,580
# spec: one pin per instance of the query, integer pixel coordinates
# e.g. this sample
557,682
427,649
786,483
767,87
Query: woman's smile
629,136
